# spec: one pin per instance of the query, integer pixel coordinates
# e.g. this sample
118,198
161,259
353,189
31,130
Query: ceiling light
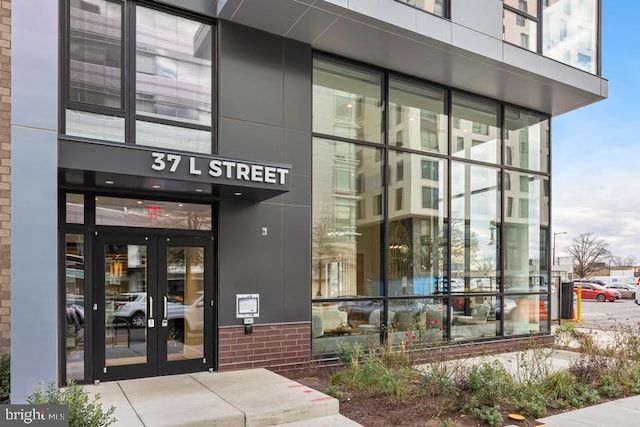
155,186
109,182
198,190
237,194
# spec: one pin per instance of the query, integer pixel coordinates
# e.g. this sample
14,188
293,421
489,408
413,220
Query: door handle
151,307
165,308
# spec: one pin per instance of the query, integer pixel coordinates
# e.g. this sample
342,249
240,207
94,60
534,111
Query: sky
596,149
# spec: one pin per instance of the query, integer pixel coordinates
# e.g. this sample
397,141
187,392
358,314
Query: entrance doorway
154,305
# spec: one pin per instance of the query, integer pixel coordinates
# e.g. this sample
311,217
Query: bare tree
589,252
627,261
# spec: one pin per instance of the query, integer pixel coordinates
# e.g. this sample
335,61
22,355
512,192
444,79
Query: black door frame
156,240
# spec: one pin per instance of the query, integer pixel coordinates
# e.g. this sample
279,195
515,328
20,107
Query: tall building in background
223,185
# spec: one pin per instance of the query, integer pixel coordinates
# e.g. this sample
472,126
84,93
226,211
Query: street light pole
553,262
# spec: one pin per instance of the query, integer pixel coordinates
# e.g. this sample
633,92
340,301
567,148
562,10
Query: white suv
131,306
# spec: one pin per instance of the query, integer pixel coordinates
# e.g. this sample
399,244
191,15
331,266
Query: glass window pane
173,67
527,6
475,220
348,322
95,53
477,133
520,31
346,246
417,233
152,213
570,34
433,6
417,116
475,317
95,126
346,101
74,209
74,305
173,137
526,235
418,321
527,138
526,314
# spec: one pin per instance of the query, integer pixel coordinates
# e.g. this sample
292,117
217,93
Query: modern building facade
214,185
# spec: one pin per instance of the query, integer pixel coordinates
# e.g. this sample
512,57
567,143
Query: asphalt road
607,314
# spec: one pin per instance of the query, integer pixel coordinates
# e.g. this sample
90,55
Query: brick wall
5,175
279,347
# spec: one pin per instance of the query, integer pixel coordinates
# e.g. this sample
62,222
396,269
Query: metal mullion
169,122
524,14
385,197
447,255
129,67
500,225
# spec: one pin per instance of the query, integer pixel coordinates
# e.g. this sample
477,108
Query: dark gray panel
297,151
312,25
300,193
297,267
249,140
297,85
248,261
250,74
204,7
253,13
226,8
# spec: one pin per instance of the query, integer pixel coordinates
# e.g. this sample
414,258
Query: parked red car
597,292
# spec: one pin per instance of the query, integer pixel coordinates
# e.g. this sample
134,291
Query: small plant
333,391
490,383
5,377
82,411
350,354
609,387
489,415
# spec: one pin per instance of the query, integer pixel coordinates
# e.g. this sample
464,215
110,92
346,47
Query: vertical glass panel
475,222
520,31
526,137
526,314
347,101
417,117
152,213
570,32
346,251
526,231
349,322
475,133
173,137
527,6
95,126
125,287
475,317
95,53
173,67
74,208
75,305
432,6
417,233
185,303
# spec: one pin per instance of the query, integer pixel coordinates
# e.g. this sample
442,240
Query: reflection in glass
185,302
527,6
525,231
347,101
417,233
152,213
349,322
74,209
433,6
526,314
475,317
125,316
475,132
425,320
74,306
173,137
95,52
95,126
417,117
475,216
346,251
526,137
570,33
173,67
520,31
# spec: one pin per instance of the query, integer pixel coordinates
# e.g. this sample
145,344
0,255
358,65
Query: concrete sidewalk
617,413
254,397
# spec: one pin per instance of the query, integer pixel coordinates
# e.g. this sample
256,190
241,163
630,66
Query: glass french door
154,306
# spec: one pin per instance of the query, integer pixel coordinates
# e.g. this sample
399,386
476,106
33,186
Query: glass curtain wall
418,231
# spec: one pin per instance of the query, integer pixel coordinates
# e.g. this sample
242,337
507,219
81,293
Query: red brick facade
5,175
279,347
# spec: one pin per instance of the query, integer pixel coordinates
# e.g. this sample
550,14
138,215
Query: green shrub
488,414
350,354
5,377
609,387
529,400
562,390
490,383
82,411
333,391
